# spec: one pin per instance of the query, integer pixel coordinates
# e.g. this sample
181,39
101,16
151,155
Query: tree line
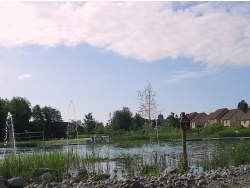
49,120
31,119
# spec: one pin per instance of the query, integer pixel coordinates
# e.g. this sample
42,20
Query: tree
53,123
99,128
148,107
89,123
122,119
20,109
38,119
137,122
51,114
3,114
173,120
243,106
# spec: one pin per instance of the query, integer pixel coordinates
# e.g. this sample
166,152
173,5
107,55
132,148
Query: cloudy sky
100,54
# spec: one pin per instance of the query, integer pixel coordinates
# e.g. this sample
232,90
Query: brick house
215,117
245,119
198,120
232,117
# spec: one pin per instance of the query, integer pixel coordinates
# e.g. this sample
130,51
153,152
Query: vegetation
232,154
148,108
243,106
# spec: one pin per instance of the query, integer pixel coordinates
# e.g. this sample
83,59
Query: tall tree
3,114
20,108
38,119
173,120
148,107
51,114
137,122
243,106
122,119
53,122
89,123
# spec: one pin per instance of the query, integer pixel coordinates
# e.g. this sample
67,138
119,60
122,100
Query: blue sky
100,54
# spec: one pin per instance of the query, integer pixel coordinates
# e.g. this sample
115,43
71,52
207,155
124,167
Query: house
245,119
198,120
232,117
191,116
215,117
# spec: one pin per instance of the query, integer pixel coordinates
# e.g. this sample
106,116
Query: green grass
232,154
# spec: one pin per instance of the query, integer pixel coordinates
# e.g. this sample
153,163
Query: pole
184,148
185,125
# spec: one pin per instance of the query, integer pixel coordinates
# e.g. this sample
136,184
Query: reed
232,154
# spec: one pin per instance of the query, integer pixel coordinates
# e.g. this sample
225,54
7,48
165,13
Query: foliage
38,119
233,132
99,128
212,128
233,154
148,108
243,106
24,165
137,122
89,123
122,119
173,120
20,108
3,114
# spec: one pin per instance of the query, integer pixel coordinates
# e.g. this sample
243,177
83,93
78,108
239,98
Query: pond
134,159
165,154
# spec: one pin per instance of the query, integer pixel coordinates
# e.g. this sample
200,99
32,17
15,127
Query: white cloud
182,75
212,33
24,76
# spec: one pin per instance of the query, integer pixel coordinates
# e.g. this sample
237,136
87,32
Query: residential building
245,119
198,120
191,116
232,118
215,117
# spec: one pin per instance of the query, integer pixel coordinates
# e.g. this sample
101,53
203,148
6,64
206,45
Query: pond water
129,160
165,154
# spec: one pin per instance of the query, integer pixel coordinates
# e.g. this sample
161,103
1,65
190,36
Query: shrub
212,128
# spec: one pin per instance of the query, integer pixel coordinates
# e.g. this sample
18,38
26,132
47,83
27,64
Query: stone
75,172
2,182
17,182
169,170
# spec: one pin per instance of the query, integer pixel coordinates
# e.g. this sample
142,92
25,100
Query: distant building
198,120
191,116
245,119
232,117
161,121
215,117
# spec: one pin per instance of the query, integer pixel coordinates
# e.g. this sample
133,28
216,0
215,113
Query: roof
229,114
217,114
191,115
200,118
246,116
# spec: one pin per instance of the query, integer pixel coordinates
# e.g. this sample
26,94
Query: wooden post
185,125
184,149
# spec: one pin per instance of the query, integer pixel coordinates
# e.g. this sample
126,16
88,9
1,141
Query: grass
231,154
24,164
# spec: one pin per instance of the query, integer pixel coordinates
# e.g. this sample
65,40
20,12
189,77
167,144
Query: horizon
100,54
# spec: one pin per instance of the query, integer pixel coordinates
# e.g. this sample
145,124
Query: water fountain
9,139
71,104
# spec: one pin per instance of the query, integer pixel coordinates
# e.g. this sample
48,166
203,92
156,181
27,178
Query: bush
212,128
232,132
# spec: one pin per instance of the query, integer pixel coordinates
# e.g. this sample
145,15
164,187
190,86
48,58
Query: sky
81,57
